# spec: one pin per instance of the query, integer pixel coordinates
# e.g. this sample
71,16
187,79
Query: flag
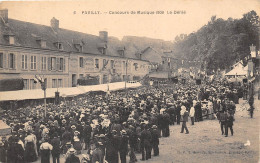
35,80
41,79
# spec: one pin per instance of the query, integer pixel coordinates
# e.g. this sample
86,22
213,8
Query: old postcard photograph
127,81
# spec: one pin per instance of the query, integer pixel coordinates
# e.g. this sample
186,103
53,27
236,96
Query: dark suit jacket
97,155
72,159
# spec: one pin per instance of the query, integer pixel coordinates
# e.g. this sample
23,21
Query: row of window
29,83
105,63
54,63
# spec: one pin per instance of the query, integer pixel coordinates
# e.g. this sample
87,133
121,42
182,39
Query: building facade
62,56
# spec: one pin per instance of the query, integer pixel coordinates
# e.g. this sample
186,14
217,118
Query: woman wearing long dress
45,151
30,147
15,152
76,142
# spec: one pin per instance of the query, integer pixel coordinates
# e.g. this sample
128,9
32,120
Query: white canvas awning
238,71
4,129
64,92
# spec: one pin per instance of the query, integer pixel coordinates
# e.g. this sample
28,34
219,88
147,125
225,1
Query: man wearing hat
97,154
66,137
86,134
112,146
55,142
185,115
145,143
71,157
123,148
155,140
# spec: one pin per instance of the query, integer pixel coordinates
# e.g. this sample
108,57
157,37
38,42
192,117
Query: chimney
4,15
103,35
54,23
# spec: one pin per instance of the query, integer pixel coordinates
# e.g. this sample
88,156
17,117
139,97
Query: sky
72,15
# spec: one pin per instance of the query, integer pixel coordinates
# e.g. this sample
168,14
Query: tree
221,42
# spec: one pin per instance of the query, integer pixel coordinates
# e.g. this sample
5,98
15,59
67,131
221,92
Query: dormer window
138,55
102,48
121,52
79,47
42,42
59,45
11,40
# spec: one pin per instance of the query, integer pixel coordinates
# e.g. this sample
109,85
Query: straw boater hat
72,151
76,132
101,135
63,121
73,127
123,132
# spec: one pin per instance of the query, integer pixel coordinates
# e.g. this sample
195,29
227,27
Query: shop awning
64,92
4,129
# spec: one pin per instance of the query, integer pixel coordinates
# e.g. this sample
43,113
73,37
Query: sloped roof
27,34
159,75
152,55
115,44
168,54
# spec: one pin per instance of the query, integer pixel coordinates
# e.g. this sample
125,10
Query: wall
20,69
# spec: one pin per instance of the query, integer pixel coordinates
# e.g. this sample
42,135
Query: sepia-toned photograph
128,81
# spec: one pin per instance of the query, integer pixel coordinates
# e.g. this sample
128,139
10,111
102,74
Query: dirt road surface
206,144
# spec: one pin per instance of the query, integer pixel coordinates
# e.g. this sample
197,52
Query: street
206,144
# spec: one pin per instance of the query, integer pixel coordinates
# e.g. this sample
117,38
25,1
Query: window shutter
8,61
14,62
57,64
5,61
49,63
42,63
26,61
64,63
35,62
84,61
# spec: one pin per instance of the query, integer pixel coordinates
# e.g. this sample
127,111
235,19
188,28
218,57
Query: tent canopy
4,129
238,71
64,92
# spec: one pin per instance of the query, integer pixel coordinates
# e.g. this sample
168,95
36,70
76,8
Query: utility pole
126,63
43,85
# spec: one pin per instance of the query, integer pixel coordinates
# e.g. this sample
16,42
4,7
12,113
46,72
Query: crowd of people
114,125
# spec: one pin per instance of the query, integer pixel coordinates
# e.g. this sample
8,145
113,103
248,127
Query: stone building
63,56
